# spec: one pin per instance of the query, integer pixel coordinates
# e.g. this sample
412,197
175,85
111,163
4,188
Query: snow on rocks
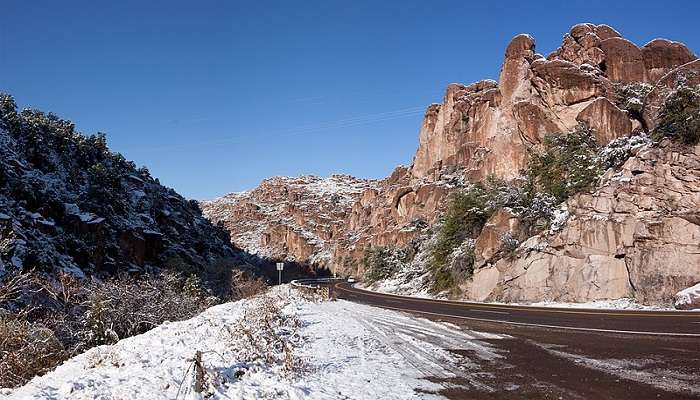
688,299
290,218
417,288
342,350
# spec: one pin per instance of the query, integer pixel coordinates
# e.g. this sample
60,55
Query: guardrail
316,285
313,283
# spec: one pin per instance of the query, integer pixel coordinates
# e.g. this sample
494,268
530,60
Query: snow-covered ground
345,351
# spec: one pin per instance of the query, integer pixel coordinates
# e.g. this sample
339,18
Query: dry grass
266,335
26,350
47,319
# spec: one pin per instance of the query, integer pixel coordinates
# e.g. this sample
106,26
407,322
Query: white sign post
280,267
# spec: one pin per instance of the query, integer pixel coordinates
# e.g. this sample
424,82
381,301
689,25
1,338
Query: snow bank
614,304
346,350
415,288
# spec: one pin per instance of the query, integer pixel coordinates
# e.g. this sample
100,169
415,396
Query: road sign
280,267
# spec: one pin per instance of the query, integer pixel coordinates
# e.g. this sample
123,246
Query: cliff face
615,239
297,219
637,235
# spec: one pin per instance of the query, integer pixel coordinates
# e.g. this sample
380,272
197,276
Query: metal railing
313,283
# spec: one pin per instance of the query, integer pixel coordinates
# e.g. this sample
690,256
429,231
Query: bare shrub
125,307
26,350
266,336
245,285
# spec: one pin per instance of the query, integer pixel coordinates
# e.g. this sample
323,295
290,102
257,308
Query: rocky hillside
297,219
533,148
69,204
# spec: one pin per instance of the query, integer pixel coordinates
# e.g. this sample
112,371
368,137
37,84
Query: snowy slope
348,351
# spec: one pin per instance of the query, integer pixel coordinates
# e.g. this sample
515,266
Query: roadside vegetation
45,320
383,262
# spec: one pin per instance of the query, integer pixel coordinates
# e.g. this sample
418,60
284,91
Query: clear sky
214,96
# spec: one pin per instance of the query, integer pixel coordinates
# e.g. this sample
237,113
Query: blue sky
214,96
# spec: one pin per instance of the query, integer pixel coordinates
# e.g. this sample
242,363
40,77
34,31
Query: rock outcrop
614,241
297,219
637,235
688,298
487,128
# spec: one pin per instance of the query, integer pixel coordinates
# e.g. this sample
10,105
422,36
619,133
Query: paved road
618,321
554,353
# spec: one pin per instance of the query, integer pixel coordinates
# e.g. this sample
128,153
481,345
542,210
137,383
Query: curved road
662,323
560,353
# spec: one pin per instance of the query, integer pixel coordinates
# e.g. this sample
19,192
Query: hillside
70,204
94,249
563,175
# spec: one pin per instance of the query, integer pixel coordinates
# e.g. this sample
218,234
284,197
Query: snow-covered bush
26,349
567,164
630,96
514,194
508,245
679,117
539,211
466,214
382,262
124,307
266,336
461,261
619,150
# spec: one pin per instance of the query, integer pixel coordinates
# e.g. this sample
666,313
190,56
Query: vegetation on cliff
94,249
679,117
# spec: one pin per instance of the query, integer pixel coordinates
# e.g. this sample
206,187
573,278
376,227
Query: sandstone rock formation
615,239
297,219
638,235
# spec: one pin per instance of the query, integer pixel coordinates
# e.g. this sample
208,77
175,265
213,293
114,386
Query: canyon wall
616,237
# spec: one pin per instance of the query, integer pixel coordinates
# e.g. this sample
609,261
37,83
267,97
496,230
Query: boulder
563,83
688,299
623,60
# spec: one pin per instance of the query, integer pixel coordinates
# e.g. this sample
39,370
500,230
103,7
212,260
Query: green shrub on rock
630,96
567,164
679,117
466,214
382,262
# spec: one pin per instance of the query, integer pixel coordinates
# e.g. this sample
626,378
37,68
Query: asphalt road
666,323
561,353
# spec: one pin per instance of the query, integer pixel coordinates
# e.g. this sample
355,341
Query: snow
688,296
347,350
414,288
614,304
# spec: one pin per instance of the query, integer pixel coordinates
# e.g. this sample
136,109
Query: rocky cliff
294,219
637,235
615,238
